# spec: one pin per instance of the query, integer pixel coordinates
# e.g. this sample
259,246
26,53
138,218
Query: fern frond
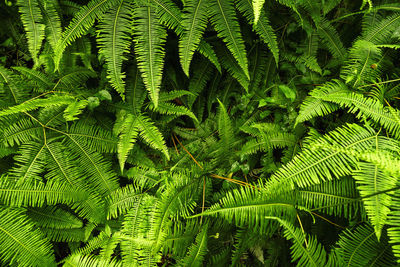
52,217
99,171
360,247
371,180
202,72
231,65
331,39
122,200
240,205
54,100
151,135
172,109
336,197
21,242
314,106
260,23
39,78
194,21
37,194
196,251
223,17
128,132
135,227
8,78
52,21
114,40
382,32
367,108
358,69
32,20
81,22
305,251
149,37
78,260
312,166
20,132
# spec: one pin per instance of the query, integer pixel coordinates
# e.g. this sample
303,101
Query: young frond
149,37
194,22
32,20
21,243
223,17
114,40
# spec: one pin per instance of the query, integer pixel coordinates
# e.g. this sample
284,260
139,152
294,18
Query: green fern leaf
223,17
151,135
257,7
52,217
261,24
32,19
331,39
196,251
194,22
52,21
21,242
306,252
149,37
114,41
81,22
371,180
128,133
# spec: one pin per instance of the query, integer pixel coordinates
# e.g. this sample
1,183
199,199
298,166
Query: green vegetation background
199,133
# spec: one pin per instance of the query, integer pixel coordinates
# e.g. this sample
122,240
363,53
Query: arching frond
90,261
331,39
52,217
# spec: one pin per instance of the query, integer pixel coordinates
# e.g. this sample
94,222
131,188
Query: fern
34,28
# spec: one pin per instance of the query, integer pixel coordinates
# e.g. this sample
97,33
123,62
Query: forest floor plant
199,133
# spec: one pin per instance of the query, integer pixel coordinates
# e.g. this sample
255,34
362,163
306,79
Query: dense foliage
199,133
